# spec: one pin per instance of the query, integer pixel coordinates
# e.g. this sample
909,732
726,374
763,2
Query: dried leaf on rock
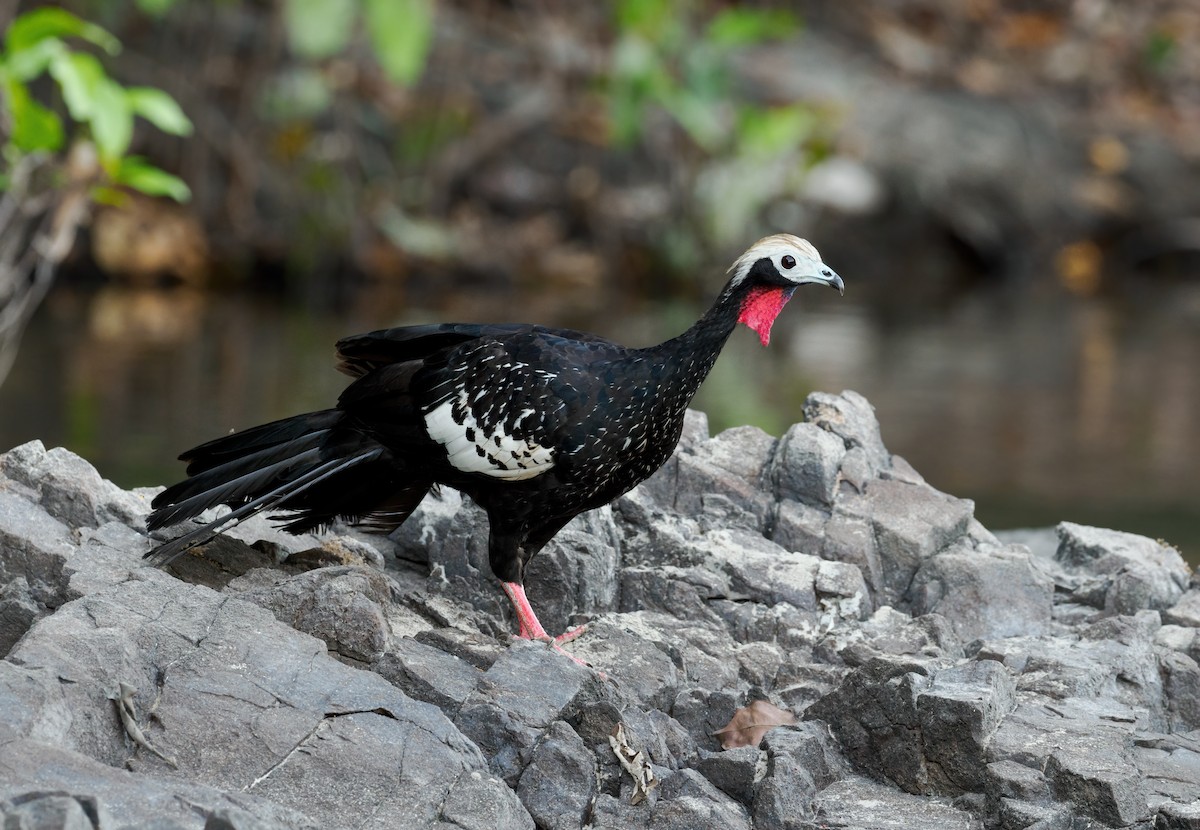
750,724
634,763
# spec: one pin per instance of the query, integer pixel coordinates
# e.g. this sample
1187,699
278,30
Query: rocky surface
942,677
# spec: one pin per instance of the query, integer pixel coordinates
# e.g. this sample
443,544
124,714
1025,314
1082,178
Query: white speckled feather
472,450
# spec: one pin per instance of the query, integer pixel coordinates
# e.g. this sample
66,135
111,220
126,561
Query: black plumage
534,424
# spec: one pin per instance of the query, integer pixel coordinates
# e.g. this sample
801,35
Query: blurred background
1011,191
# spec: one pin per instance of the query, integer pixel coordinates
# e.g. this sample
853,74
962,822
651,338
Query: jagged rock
517,699
577,572
1103,786
428,674
687,801
626,646
910,523
18,610
1139,573
958,713
806,464
344,606
856,802
1186,611
732,771
559,785
850,417
994,594
239,701
817,571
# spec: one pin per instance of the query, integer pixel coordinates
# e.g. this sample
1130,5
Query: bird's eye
788,261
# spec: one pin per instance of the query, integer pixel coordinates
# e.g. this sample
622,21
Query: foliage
670,57
400,31
35,44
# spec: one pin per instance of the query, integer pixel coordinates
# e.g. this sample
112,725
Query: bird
535,425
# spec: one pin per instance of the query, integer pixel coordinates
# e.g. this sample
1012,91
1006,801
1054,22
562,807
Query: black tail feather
239,445
288,490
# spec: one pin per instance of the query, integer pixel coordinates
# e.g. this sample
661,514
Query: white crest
807,262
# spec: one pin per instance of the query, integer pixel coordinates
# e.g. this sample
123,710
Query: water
1039,408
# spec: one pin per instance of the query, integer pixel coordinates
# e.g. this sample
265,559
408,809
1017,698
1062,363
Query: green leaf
138,174
34,127
30,62
112,121
319,28
701,119
156,8
79,75
774,131
744,27
649,18
401,32
159,109
37,25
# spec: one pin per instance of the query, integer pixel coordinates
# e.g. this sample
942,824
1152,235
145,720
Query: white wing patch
472,450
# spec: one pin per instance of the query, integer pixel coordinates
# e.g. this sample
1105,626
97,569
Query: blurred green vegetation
330,131
37,43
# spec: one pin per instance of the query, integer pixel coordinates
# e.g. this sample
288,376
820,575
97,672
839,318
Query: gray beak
830,278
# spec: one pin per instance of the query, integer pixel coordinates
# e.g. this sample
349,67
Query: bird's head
767,274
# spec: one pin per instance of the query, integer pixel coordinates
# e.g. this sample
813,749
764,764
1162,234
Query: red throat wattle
760,308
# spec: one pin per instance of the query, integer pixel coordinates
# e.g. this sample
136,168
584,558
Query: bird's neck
691,355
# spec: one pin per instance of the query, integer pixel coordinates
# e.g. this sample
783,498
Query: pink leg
529,626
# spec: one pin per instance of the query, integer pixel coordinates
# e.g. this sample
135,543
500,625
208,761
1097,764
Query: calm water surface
1039,408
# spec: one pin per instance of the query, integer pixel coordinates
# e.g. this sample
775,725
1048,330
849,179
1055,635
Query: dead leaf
634,763
750,724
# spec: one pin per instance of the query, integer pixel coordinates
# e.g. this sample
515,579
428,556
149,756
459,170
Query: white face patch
775,248
472,450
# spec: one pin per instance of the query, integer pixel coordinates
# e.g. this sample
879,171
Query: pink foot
529,628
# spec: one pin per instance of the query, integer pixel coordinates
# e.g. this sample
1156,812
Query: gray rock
817,570
345,607
1142,573
805,465
687,801
1181,691
36,548
984,595
51,812
760,570
577,572
850,538
69,488
1010,780
429,674
910,523
1178,817
610,813
625,647
874,716
958,714
856,803
799,527
850,417
1102,786
559,785
18,610
518,698
734,464
733,771
1186,611
476,801
240,702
